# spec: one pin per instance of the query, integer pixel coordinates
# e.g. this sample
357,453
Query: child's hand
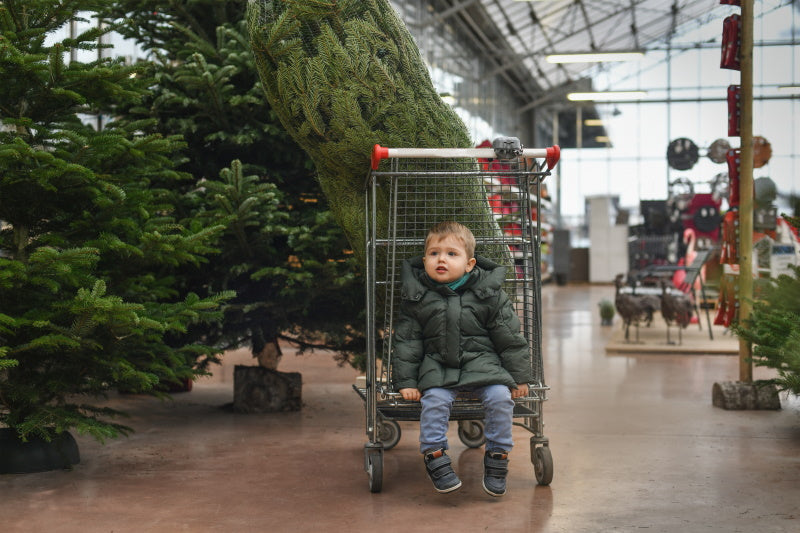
519,392
412,395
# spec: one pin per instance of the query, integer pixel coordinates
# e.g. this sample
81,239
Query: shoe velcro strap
496,467
439,467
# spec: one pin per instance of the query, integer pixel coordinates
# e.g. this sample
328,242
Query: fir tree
282,251
344,75
89,245
774,326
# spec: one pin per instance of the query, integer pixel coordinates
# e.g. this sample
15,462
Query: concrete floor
636,444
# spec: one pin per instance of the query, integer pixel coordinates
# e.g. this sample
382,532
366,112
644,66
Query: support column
746,189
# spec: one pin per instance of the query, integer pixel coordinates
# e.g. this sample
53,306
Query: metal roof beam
447,13
488,47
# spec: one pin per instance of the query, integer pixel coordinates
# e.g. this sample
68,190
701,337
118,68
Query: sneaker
440,470
495,469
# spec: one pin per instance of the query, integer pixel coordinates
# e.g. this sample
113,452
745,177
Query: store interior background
614,152
487,58
636,440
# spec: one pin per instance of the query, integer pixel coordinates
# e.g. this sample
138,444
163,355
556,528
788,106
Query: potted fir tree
89,246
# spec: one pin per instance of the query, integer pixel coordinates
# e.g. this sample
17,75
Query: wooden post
745,393
746,188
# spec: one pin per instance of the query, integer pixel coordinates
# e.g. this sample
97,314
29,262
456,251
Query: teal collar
459,282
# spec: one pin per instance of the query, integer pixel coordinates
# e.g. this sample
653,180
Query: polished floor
636,442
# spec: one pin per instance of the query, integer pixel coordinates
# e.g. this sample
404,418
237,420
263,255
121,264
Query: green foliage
343,76
281,252
774,328
89,242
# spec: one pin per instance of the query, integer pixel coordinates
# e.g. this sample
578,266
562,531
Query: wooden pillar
746,188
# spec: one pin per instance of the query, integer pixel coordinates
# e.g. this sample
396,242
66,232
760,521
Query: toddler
457,331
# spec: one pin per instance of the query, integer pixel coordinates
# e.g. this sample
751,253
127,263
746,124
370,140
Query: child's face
446,259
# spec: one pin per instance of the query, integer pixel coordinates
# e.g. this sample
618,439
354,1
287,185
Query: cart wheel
471,433
375,468
542,464
389,433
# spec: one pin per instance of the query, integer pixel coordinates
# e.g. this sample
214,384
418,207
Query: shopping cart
496,193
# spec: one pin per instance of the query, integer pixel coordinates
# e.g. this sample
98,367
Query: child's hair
459,231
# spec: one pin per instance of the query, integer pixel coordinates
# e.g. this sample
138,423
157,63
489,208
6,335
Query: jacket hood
485,279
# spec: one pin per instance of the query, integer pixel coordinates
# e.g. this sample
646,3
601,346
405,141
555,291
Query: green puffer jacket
470,337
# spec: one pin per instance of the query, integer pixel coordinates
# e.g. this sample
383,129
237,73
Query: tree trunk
270,355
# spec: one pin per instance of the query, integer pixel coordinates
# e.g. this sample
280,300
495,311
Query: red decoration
734,114
734,158
731,42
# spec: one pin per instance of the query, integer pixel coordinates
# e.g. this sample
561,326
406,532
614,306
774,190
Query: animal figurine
651,304
631,307
677,308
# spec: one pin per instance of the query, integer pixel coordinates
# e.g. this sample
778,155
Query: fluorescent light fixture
606,96
597,57
791,89
593,122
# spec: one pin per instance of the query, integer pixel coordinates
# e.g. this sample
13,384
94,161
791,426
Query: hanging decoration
762,151
718,150
731,42
682,154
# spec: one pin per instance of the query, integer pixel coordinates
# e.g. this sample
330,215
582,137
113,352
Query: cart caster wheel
542,461
374,467
389,433
471,433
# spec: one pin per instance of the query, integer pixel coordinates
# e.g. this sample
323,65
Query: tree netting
344,75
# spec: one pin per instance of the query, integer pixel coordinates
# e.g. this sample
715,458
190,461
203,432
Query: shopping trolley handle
550,154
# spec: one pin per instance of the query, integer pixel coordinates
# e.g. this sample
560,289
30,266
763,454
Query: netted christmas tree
344,75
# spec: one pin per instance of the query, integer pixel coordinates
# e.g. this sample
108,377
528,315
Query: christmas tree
89,244
282,252
344,75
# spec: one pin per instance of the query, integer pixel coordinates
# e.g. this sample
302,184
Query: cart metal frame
496,192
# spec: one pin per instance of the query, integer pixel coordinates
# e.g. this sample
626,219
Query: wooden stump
261,390
738,395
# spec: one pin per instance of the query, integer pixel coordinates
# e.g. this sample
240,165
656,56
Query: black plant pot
36,455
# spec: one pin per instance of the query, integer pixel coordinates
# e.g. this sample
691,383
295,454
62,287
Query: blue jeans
498,420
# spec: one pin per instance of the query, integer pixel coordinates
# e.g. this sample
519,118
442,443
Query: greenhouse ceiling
516,36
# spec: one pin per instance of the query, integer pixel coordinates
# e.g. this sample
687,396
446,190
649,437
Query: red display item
731,42
762,151
496,203
512,229
734,158
731,2
702,217
731,306
719,316
730,238
734,114
495,164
